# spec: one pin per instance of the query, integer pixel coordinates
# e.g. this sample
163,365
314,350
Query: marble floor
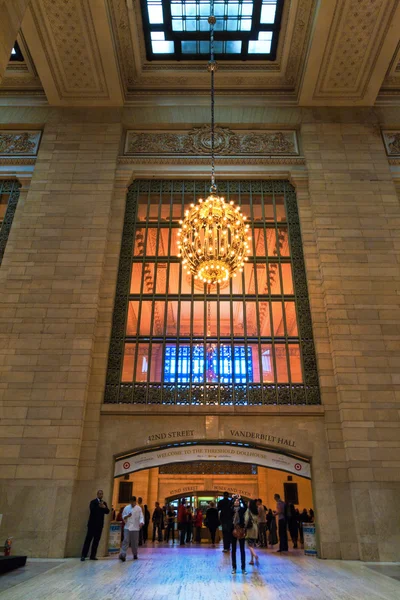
204,573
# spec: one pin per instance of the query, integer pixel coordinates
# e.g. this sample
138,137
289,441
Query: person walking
98,508
198,524
225,517
134,521
182,520
158,522
293,525
146,524
212,521
238,532
121,520
171,514
251,523
282,523
271,525
262,523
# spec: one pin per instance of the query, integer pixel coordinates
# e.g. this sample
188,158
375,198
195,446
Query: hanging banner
114,537
219,452
310,540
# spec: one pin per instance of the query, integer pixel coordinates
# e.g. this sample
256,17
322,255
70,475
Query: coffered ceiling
92,53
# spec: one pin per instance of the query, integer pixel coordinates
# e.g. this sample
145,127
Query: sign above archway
221,452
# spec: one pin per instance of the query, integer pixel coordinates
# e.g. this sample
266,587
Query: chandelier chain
212,72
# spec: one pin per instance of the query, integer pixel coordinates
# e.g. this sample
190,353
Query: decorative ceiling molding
19,143
197,142
141,77
353,44
196,160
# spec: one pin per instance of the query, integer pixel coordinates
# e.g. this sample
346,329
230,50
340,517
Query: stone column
50,284
356,217
11,15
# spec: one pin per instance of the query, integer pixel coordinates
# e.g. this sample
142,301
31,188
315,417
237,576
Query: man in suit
98,508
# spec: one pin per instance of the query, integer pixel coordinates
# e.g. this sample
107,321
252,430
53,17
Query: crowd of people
240,522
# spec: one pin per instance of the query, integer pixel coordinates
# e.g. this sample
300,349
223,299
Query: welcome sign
216,452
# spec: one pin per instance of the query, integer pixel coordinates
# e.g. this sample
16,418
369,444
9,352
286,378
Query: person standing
238,511
198,523
134,521
98,508
146,524
170,524
158,522
293,525
189,525
251,524
271,524
212,521
182,520
225,517
140,503
262,523
282,524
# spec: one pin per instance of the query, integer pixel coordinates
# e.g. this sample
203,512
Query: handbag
239,532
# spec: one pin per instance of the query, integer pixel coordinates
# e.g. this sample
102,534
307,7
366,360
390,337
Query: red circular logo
126,465
297,466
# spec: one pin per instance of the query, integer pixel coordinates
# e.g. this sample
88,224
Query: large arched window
176,341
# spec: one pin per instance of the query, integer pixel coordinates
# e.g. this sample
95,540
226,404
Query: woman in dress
251,524
212,521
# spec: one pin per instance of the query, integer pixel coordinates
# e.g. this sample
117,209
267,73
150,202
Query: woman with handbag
251,524
238,533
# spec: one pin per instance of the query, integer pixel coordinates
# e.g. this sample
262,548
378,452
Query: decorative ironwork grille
9,196
208,468
175,342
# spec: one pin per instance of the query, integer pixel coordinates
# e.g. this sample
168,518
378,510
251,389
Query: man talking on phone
134,521
98,508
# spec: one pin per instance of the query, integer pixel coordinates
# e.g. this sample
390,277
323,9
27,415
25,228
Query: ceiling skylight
179,30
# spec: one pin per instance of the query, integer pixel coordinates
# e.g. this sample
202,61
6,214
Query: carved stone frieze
392,142
19,143
198,142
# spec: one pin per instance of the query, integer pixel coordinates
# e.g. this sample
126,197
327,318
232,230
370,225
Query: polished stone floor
204,573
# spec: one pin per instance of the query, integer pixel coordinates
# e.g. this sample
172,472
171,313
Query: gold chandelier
213,236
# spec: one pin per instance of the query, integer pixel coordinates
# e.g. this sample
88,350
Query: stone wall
57,284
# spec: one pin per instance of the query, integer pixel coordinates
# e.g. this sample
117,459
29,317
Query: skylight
16,54
179,30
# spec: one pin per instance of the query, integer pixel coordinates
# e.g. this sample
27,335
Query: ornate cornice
197,142
199,160
15,143
17,160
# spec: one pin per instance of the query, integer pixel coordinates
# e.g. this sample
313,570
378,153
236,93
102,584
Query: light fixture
213,236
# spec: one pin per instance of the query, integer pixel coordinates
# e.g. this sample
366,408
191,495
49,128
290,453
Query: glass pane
186,283
283,242
132,320
225,318
238,318
163,47
138,248
128,364
269,208
198,319
161,281
158,318
274,282
163,239
156,363
174,242
145,318
262,283
251,319
136,278
291,319
295,364
287,278
281,363
280,208
142,208
211,319
267,363
249,275
254,355
172,317
148,283
242,364
151,242
142,365
271,241
173,285
265,319
237,284
184,320
258,247
268,10
277,316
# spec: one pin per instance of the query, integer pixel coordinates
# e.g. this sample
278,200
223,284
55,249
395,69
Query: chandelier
213,240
